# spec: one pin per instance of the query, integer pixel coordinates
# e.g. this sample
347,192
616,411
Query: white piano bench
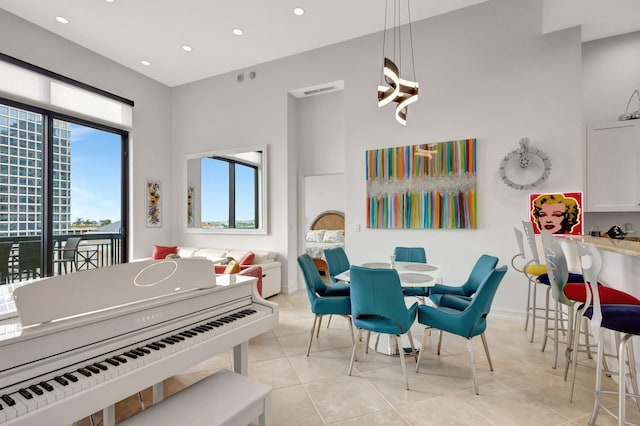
222,399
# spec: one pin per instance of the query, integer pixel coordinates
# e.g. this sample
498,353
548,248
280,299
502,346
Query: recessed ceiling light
145,63
298,11
110,1
238,31
62,20
187,48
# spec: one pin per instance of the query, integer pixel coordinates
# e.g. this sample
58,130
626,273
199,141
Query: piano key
8,400
120,359
49,394
23,406
46,386
25,393
93,369
35,389
109,367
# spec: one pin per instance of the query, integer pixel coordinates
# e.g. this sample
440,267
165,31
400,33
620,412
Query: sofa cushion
263,256
247,259
211,254
160,252
232,268
186,251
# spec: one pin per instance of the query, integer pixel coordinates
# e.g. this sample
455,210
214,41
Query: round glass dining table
412,274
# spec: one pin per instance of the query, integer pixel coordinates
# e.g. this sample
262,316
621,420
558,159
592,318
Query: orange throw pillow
233,267
160,252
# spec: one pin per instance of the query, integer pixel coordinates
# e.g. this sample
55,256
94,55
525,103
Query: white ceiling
129,31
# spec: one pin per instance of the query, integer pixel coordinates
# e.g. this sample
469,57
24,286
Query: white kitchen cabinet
613,167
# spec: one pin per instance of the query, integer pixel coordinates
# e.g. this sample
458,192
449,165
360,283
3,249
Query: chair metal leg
622,382
574,356
313,329
353,352
413,346
546,321
440,341
473,366
404,367
424,339
319,326
486,350
353,341
329,321
533,310
526,321
598,391
571,350
366,349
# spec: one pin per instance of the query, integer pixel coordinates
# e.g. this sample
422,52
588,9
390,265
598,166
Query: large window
229,193
62,182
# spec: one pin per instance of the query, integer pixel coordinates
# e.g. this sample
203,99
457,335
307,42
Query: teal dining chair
417,255
377,305
468,323
337,262
459,297
324,300
483,267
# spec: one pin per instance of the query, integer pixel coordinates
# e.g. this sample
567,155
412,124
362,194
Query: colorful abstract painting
422,186
558,213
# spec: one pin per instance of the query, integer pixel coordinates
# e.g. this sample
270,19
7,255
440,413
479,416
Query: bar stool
623,318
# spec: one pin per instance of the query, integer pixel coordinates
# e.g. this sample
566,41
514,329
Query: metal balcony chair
29,259
69,254
5,254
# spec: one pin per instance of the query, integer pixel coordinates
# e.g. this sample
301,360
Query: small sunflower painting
154,208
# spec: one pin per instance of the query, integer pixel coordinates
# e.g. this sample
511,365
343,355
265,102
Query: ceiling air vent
319,89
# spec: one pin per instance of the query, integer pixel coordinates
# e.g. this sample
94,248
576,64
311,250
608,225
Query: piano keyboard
65,383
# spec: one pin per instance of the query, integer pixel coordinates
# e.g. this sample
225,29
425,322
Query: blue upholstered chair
459,297
377,305
410,254
483,267
337,262
468,323
417,255
324,300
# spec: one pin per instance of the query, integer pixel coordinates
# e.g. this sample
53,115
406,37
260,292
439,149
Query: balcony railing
95,250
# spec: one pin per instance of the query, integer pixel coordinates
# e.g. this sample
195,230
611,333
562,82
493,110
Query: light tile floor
316,390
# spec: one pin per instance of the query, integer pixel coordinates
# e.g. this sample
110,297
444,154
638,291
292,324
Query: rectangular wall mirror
226,191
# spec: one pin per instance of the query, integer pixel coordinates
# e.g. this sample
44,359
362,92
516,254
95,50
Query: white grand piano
89,339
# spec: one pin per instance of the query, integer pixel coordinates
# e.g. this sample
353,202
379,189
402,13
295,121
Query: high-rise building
21,146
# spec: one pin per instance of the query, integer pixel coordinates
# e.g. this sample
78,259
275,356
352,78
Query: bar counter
627,247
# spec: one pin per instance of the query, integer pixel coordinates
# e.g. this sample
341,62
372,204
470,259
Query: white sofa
271,268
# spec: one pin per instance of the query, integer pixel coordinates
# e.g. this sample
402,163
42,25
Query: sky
215,181
95,174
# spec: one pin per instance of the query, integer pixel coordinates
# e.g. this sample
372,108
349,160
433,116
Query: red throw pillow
160,252
247,259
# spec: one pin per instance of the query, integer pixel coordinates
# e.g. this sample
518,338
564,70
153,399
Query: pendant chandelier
399,90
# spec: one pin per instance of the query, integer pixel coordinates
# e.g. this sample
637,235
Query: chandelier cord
413,60
384,38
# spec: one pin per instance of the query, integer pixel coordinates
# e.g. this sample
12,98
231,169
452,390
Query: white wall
150,140
485,72
610,74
